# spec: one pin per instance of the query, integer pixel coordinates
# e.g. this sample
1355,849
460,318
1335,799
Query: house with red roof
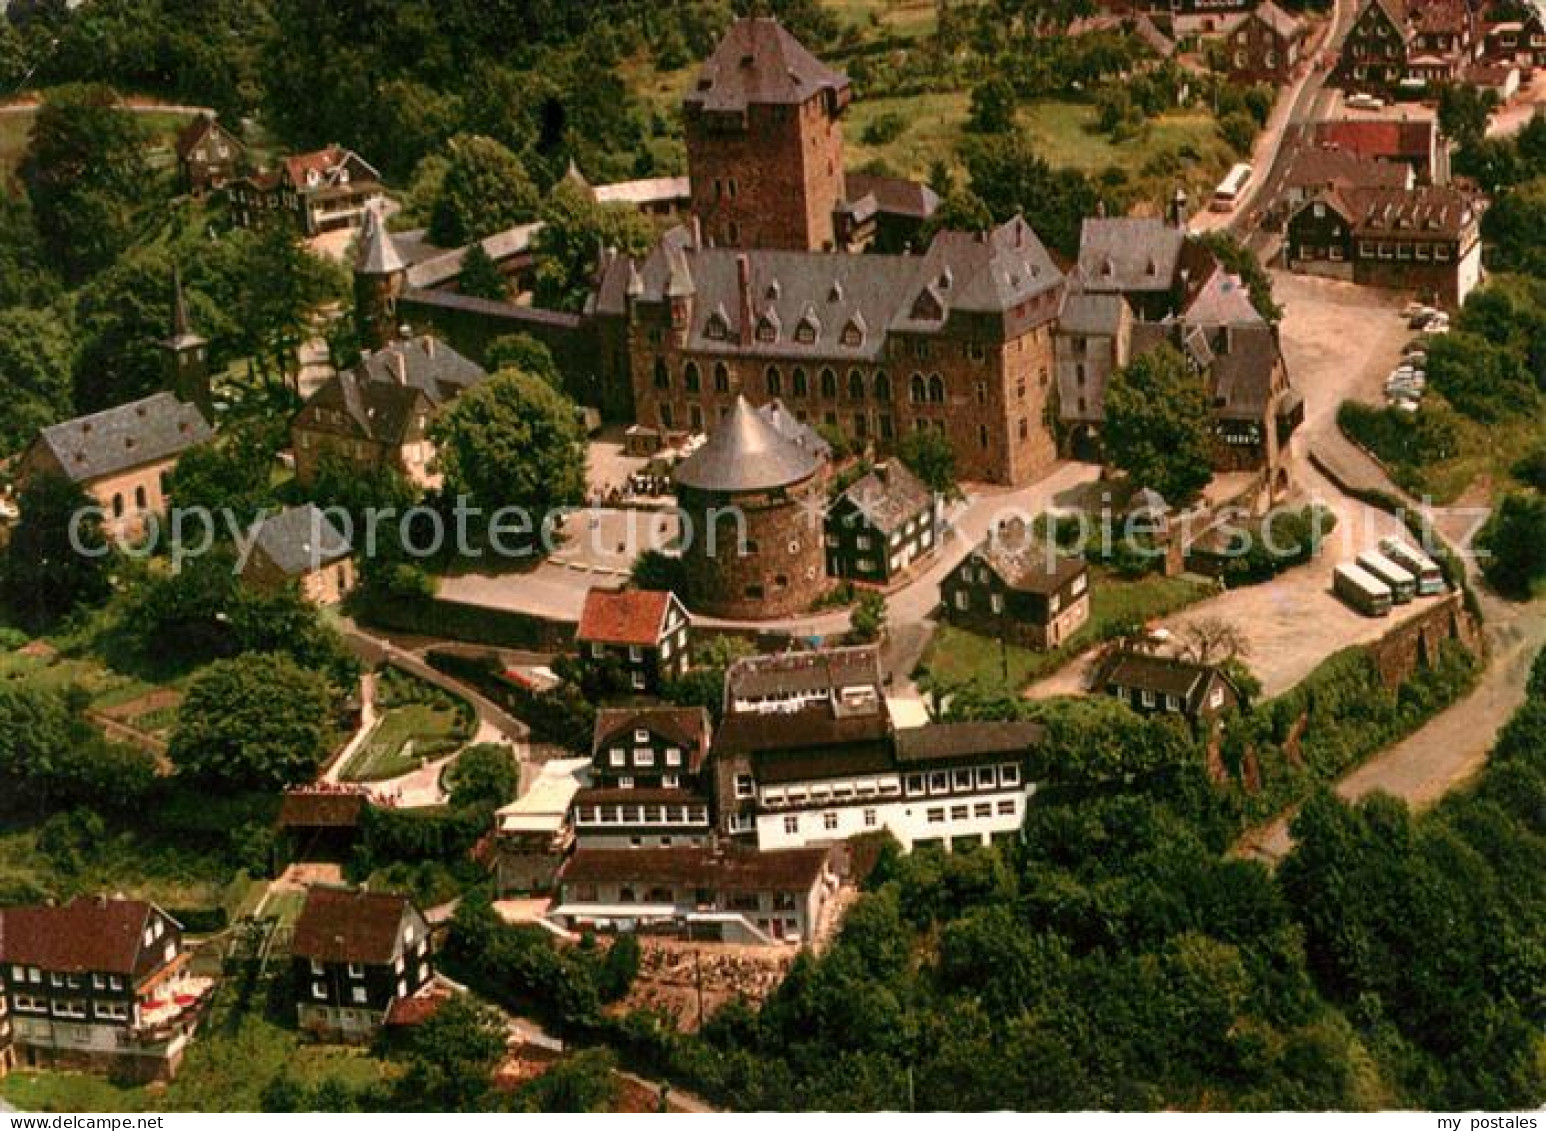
324,191
642,633
100,984
354,957
1414,142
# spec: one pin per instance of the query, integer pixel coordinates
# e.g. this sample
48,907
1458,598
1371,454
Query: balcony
172,1008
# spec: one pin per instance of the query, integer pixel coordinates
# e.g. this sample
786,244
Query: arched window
882,386
829,384
855,385
801,384
690,377
775,381
662,374
139,498
919,391
936,388
721,377
117,506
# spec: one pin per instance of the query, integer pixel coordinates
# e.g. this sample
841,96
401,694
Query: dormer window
853,333
717,328
313,178
807,331
767,329
836,293
946,277
773,291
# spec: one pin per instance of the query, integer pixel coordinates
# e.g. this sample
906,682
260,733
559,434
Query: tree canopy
485,189
1159,425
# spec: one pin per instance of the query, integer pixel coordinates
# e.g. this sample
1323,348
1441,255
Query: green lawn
956,657
420,721
935,123
238,1051
912,19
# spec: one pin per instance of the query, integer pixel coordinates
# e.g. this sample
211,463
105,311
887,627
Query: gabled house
648,785
643,633
1408,44
98,984
1522,41
1026,594
208,155
1152,685
1414,142
122,457
353,956
880,526
322,191
1265,45
301,546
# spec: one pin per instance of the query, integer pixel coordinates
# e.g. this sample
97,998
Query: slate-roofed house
880,526
956,340
1522,41
122,457
208,154
1153,684
1093,340
883,214
1427,240
643,633
1412,141
301,546
1414,44
725,894
378,413
1265,45
320,824
98,984
1140,259
1020,591
322,191
1320,167
648,787
353,955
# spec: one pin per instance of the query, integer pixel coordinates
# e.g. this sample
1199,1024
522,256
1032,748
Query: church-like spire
378,253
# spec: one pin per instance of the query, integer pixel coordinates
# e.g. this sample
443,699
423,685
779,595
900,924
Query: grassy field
910,19
402,737
955,657
237,1053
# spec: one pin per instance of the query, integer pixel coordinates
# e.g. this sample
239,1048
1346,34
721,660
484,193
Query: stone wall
1415,643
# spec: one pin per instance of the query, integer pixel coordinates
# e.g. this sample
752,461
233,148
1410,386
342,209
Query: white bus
1403,585
1430,578
1368,594
1227,195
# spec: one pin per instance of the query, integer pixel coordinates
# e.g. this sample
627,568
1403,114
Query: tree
993,106
575,232
1514,541
526,353
36,347
1159,425
929,456
51,755
58,558
230,478
867,622
481,277
583,1081
86,176
1213,640
514,440
1009,176
253,722
485,189
657,570
1480,378
1464,111
451,1059
1239,132
484,775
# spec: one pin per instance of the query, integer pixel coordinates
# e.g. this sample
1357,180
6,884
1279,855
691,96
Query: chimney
429,346
697,232
743,270
398,364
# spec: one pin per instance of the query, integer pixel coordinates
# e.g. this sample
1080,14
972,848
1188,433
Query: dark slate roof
338,925
844,303
1163,675
943,741
1129,255
796,731
381,411
1285,25
759,62
1029,568
733,869
425,363
745,453
828,670
299,540
894,196
777,766
311,809
87,935
195,131
1222,301
1092,314
688,726
1246,361
888,496
131,435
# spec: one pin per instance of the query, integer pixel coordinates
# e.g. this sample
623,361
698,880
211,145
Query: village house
300,546
1408,45
880,526
1427,240
641,635
1265,45
534,833
1148,262
320,824
1521,41
722,894
1152,685
98,984
647,785
122,457
1314,168
322,191
1024,594
378,413
354,955
1414,142
208,155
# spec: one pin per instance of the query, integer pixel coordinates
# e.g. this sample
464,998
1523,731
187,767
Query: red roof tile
631,616
1377,138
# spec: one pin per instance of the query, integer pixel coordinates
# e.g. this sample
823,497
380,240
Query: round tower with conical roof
380,273
752,504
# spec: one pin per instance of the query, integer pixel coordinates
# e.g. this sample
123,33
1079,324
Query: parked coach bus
1403,585
1430,578
1366,593
1227,195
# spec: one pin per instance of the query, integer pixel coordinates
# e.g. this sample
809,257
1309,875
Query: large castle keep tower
765,141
